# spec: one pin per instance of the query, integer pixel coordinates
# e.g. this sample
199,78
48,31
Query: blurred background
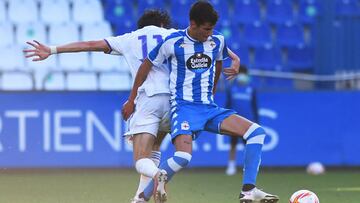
302,56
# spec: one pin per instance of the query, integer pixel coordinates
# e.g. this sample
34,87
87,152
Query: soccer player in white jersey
191,55
150,118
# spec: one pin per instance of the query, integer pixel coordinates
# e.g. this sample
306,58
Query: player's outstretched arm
40,52
233,70
141,75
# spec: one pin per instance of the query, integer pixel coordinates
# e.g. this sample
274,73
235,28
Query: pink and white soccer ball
304,196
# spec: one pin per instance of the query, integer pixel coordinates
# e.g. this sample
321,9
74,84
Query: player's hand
231,72
127,109
39,51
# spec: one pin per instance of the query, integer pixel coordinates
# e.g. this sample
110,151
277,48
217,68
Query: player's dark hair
155,17
203,12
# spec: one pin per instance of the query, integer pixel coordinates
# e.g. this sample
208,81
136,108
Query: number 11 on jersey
144,41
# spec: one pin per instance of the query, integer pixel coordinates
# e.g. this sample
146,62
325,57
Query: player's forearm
235,60
140,77
218,68
83,47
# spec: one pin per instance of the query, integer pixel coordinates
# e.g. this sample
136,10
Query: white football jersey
134,47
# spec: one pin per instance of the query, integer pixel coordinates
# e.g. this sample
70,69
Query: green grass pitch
189,186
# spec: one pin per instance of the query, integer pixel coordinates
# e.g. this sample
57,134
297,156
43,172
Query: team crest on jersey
185,125
198,62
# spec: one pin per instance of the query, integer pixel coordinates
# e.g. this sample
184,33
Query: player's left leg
155,157
231,168
254,135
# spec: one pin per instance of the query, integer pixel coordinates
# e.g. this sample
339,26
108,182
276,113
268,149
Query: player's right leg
254,135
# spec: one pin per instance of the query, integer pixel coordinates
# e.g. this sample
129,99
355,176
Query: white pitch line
345,189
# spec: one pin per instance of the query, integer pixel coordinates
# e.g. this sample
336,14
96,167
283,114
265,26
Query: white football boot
138,200
160,195
256,195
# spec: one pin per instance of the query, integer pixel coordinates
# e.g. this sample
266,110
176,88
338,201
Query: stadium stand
289,34
29,31
347,8
81,81
247,11
257,34
82,9
2,12
23,11
279,11
109,81
56,35
6,34
16,81
55,12
251,27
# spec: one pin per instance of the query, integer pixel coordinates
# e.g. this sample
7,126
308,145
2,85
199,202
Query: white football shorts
151,114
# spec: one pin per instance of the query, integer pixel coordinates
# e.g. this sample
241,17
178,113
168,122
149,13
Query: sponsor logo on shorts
185,125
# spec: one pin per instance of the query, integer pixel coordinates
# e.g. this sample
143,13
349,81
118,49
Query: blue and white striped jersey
191,64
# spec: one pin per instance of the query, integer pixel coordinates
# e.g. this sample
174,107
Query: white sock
232,163
144,180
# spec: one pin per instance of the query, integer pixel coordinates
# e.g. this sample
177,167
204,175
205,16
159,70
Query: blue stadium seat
55,11
117,11
56,33
95,31
6,34
74,62
300,58
82,9
290,34
2,12
149,4
279,11
268,57
180,16
309,10
246,11
30,31
82,81
125,27
110,81
23,11
53,81
243,52
347,8
15,81
257,34
222,7
14,56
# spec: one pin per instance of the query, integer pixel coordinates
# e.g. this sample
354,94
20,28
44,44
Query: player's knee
146,167
255,134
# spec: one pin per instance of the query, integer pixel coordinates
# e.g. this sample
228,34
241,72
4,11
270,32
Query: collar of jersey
188,36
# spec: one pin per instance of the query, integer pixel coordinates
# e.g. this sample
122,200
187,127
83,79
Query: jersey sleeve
223,51
118,44
157,56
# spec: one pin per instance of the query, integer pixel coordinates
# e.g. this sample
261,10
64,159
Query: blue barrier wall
84,129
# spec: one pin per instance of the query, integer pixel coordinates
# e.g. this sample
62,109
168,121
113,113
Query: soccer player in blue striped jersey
192,55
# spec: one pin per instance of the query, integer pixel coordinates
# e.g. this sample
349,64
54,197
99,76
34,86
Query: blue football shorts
192,118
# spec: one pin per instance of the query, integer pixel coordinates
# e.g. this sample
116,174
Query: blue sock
171,166
254,141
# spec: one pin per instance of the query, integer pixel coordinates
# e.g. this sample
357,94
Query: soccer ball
304,196
315,168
